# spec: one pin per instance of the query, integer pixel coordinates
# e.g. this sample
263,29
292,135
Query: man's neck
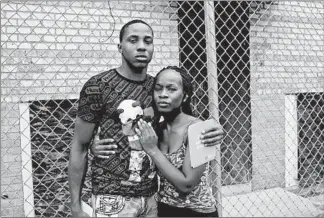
136,74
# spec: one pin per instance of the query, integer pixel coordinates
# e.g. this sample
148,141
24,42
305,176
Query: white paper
199,154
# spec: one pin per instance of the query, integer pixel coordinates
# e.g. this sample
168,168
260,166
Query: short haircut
124,28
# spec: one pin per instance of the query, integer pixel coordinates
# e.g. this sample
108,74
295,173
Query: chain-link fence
257,66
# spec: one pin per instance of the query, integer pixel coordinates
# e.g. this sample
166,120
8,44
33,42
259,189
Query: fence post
213,93
291,141
26,161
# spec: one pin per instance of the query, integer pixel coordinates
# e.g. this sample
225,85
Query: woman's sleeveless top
200,199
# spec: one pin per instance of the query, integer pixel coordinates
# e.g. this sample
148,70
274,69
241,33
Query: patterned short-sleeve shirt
129,172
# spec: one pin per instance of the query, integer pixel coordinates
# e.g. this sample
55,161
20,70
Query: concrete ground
274,202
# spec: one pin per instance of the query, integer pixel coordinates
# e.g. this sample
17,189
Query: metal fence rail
257,67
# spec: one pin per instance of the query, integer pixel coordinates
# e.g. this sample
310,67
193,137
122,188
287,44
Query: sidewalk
275,202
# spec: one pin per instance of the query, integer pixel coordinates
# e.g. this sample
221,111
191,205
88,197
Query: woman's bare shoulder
193,119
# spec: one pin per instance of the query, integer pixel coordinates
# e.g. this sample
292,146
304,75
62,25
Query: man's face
136,46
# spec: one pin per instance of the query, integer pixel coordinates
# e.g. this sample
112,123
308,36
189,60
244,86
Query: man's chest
114,97
123,103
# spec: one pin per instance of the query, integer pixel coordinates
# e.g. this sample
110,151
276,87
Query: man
123,183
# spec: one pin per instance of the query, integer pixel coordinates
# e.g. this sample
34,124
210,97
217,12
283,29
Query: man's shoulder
99,76
149,80
149,77
96,79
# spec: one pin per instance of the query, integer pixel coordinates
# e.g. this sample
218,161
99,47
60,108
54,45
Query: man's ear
119,47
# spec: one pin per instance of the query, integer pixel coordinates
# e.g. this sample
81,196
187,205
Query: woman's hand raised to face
147,136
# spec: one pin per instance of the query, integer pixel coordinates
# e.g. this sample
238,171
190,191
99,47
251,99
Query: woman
184,190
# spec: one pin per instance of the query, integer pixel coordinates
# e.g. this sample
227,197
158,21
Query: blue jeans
120,206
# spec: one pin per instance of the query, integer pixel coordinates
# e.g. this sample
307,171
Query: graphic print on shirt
129,115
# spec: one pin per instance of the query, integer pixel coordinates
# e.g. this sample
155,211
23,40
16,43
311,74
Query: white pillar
291,141
210,26
26,160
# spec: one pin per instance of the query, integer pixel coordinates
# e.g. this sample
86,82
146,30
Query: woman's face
168,91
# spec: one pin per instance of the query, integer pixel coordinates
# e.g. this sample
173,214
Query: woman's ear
185,98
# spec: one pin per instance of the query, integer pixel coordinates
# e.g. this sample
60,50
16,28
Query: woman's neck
174,119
